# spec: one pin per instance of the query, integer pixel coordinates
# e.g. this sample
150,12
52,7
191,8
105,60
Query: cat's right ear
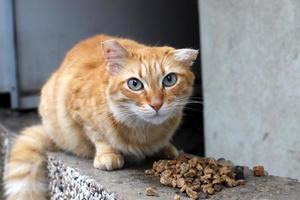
115,55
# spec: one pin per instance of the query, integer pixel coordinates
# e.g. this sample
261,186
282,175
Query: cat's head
149,84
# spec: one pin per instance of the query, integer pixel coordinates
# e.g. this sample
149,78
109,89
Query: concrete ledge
69,175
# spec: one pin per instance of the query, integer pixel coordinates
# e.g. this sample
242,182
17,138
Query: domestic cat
111,97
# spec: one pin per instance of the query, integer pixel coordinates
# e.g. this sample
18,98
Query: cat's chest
143,138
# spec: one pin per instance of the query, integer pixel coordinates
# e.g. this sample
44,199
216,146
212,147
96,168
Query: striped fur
25,176
88,109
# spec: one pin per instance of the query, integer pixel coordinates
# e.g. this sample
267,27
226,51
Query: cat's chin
155,120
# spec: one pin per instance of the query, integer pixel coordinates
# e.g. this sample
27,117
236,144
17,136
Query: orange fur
88,109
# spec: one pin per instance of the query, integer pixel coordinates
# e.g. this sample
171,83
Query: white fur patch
148,114
187,56
24,185
17,168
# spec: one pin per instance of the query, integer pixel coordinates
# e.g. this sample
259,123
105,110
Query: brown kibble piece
196,187
166,181
212,161
230,182
199,167
193,162
240,182
151,191
191,193
166,173
184,167
178,176
176,197
174,183
208,170
190,173
205,177
183,188
160,166
189,179
180,182
208,188
216,181
259,170
149,172
224,170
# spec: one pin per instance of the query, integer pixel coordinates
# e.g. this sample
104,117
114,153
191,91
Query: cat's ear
185,56
115,55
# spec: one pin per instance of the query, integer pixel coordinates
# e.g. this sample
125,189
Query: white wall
251,80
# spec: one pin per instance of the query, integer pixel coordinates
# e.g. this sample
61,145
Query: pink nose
156,107
156,104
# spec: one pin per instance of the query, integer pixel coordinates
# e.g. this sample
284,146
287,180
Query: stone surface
250,64
72,174
17,120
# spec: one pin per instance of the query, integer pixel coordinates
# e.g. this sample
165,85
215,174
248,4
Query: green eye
169,80
135,84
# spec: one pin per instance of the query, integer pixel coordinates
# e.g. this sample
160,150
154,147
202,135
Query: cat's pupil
134,83
169,78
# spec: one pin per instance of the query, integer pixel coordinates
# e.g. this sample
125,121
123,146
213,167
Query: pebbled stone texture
66,183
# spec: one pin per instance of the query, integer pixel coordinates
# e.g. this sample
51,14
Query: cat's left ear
185,56
115,55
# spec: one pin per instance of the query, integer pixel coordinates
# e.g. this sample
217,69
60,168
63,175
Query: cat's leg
169,151
107,158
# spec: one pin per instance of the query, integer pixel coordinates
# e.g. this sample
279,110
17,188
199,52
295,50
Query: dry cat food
151,191
196,176
259,170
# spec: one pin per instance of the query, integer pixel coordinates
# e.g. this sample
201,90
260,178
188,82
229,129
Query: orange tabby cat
111,97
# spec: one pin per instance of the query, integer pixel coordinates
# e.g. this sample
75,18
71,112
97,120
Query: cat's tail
25,175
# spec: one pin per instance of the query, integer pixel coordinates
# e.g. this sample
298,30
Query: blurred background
36,34
248,73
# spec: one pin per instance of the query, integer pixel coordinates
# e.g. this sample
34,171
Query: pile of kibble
196,176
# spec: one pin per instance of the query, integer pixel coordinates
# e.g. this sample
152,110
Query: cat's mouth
156,118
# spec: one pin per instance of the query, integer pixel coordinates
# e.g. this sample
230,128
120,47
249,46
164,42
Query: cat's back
90,50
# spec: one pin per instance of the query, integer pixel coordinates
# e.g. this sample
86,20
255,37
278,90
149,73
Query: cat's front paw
109,161
168,152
